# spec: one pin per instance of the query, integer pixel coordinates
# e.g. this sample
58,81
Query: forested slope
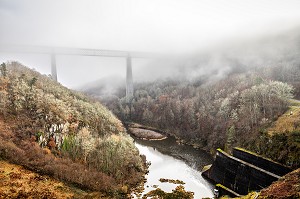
235,111
53,130
224,97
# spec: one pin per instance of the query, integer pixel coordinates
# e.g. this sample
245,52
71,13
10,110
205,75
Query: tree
3,69
147,115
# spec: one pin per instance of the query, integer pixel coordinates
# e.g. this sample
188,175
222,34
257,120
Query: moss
247,151
252,195
220,150
205,168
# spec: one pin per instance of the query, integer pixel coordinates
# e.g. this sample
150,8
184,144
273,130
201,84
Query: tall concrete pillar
53,67
129,81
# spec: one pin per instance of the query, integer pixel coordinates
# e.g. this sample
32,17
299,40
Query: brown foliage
34,158
51,144
18,182
286,187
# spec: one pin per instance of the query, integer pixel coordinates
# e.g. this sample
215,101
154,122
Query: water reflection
166,166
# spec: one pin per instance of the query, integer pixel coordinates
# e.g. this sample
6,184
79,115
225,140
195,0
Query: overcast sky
178,26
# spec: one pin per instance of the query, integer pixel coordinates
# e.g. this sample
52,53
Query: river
173,161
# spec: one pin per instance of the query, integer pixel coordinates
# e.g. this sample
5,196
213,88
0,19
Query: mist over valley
150,99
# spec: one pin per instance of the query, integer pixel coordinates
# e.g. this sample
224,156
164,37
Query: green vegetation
281,147
89,146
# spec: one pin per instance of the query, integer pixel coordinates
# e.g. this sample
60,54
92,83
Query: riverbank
169,145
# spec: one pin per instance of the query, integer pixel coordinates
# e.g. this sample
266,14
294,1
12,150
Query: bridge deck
74,51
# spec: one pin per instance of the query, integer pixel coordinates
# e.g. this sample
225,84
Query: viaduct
53,51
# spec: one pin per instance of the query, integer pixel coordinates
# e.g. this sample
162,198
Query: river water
173,161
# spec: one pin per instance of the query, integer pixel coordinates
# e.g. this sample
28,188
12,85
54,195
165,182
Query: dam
243,172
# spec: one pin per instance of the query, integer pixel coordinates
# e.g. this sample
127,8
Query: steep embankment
53,130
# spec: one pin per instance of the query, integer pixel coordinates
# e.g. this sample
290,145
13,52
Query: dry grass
287,187
17,182
289,121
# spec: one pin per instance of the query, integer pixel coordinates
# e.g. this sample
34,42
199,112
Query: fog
199,32
230,56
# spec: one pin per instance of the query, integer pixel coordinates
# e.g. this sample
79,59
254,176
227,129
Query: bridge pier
53,67
129,80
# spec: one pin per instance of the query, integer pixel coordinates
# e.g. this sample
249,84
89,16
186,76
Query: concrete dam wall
260,162
239,174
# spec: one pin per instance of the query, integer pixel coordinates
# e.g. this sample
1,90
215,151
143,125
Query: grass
18,182
289,121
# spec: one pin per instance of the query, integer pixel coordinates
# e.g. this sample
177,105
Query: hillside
18,182
225,97
234,111
52,130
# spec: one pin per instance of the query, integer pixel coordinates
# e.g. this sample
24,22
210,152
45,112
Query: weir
239,176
